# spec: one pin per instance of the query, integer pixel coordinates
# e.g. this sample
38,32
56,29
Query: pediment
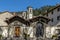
17,18
29,21
39,18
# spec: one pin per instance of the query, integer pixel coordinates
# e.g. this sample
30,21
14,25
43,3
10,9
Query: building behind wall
54,15
36,29
10,29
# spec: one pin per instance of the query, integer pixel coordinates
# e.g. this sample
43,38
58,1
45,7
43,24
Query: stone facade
14,23
54,15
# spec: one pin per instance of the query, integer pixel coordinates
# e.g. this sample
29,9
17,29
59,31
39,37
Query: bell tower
29,12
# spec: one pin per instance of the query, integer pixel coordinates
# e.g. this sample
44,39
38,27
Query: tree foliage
42,10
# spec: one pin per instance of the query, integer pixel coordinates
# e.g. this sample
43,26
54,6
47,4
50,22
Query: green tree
42,10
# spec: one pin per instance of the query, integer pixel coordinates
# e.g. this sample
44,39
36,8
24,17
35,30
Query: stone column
8,30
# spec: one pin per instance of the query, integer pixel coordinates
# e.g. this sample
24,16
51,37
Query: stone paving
27,39
21,38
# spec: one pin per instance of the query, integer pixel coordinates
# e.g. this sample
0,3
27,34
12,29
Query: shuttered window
58,9
52,20
52,12
58,18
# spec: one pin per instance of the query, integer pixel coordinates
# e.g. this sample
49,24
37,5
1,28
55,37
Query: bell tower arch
29,12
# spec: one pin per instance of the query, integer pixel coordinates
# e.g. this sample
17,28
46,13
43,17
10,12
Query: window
58,18
47,14
6,18
47,22
52,12
30,10
52,20
58,9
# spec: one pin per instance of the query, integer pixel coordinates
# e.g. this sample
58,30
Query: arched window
39,29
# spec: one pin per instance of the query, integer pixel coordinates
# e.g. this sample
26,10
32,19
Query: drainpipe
8,29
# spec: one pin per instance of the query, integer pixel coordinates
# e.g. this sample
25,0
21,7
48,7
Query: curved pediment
17,18
39,18
29,21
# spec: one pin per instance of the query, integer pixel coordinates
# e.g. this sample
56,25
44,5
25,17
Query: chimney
14,14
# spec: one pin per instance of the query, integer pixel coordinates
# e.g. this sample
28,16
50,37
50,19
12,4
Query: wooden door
17,31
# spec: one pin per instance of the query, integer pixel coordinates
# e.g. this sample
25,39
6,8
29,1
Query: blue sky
21,5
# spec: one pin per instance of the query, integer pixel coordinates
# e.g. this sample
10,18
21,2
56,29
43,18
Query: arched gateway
19,25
